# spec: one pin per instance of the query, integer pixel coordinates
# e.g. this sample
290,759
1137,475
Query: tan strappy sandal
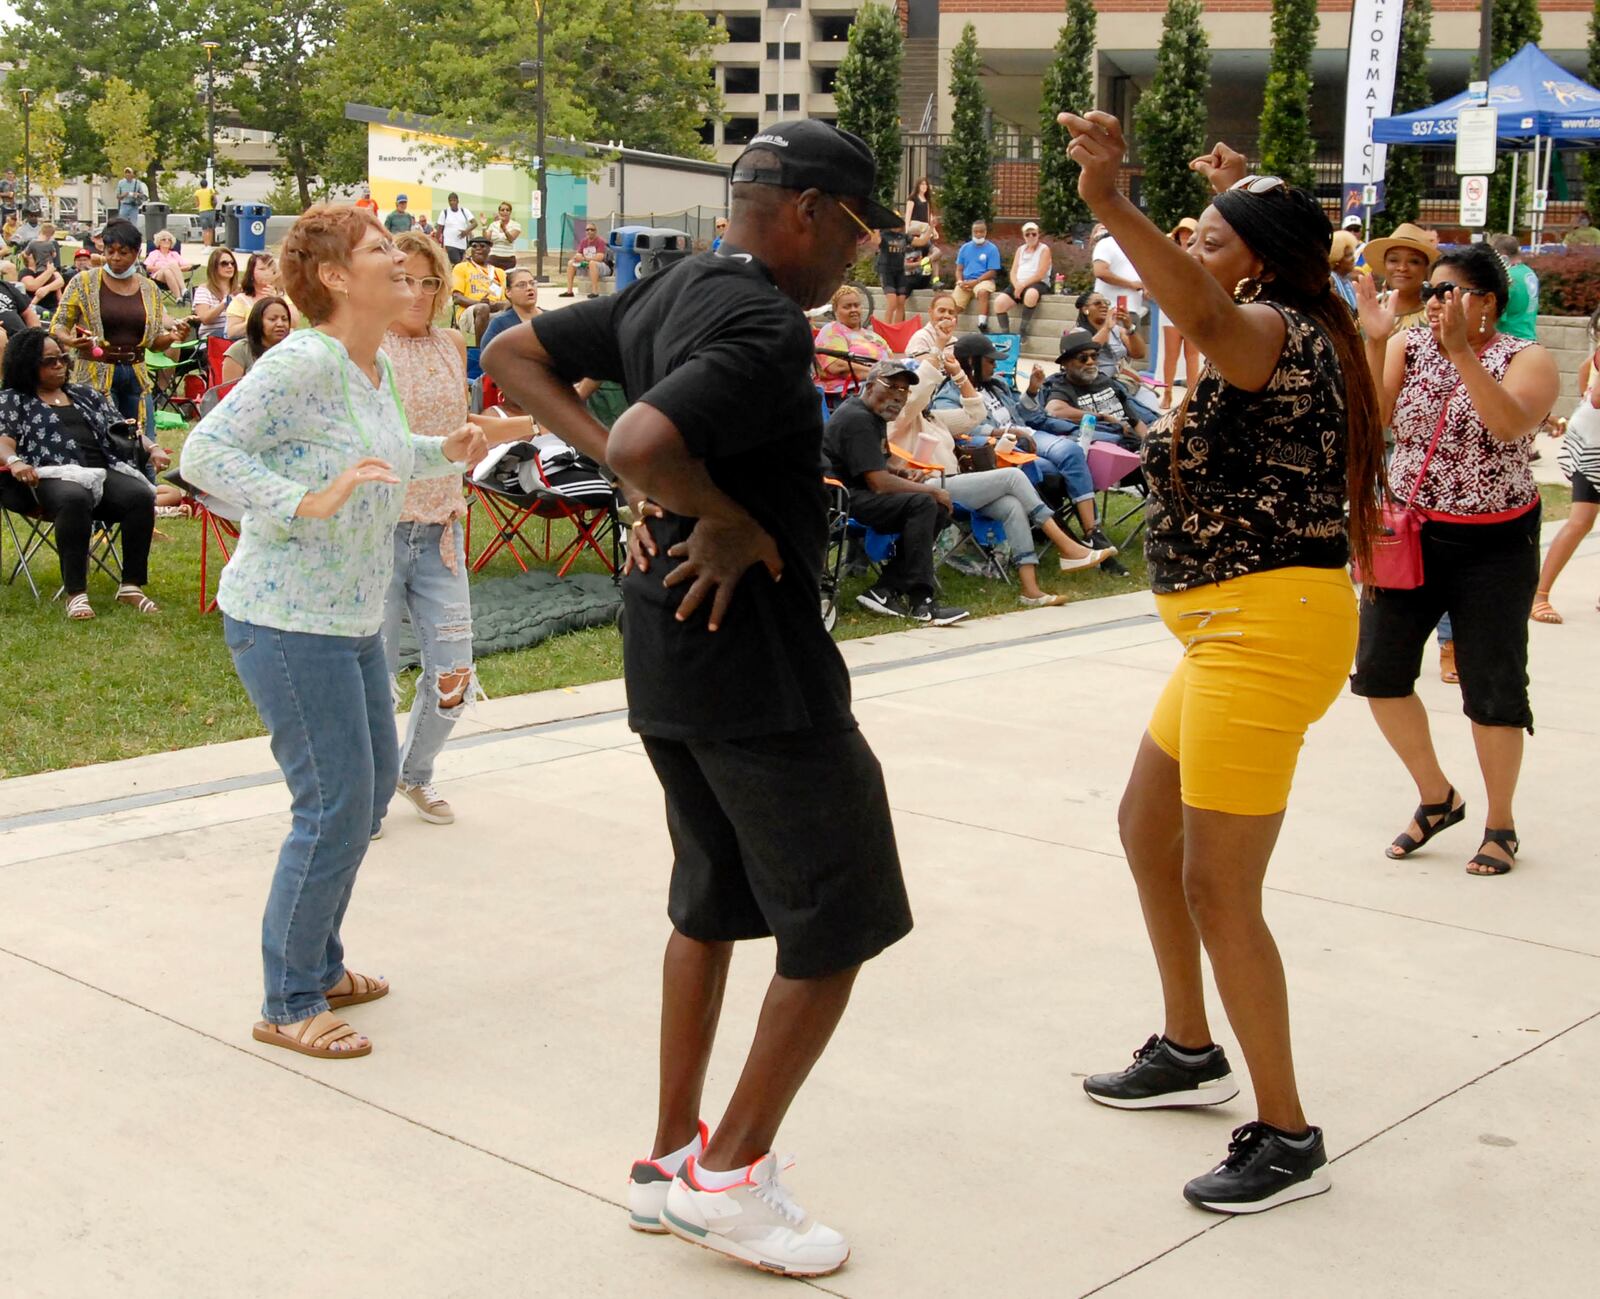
362,989
134,598
314,1036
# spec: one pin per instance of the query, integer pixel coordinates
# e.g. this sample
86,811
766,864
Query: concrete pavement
1447,1028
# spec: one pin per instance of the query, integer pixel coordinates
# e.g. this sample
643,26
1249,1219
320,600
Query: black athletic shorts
1583,491
892,276
784,836
1483,575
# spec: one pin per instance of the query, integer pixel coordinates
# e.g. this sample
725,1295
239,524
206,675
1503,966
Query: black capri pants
1483,575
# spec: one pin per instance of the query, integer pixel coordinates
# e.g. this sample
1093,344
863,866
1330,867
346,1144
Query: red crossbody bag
1397,549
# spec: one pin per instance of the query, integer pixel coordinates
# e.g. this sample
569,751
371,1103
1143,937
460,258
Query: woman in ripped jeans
430,569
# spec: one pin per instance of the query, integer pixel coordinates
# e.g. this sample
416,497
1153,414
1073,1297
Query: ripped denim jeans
441,616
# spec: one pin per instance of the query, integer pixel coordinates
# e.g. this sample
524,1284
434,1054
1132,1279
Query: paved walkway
1448,1028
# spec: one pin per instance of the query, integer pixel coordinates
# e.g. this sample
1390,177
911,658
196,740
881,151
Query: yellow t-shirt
478,282
204,199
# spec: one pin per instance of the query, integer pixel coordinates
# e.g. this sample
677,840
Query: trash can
230,225
659,247
624,255
253,227
155,219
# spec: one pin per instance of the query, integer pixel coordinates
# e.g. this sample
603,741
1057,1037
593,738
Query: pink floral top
862,343
1472,472
432,379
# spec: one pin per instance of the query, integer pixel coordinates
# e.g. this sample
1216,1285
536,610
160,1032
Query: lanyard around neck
342,355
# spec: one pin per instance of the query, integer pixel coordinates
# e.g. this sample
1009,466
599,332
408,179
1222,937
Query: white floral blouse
303,415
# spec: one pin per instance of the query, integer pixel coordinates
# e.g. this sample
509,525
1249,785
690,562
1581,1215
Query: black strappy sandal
1448,815
1507,839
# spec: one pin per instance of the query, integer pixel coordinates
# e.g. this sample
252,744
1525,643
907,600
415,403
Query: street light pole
783,33
211,119
27,148
539,244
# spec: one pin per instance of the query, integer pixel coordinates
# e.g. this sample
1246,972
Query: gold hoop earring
1247,290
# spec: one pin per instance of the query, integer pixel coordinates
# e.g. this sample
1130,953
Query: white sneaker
430,806
755,1221
648,1184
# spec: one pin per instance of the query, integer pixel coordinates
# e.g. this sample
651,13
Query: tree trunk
302,173
150,182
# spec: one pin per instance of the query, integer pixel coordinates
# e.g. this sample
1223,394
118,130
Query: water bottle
1086,430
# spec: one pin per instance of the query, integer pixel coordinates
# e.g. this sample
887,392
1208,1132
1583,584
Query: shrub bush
1569,282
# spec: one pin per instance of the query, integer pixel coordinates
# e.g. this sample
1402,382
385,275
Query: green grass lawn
124,685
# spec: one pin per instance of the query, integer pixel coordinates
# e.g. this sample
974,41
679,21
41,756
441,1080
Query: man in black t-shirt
1079,388
16,309
855,441
776,807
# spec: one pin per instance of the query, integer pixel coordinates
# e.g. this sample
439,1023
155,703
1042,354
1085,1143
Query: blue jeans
1069,460
326,703
133,403
1007,497
441,618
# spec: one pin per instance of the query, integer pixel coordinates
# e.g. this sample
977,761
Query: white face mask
133,268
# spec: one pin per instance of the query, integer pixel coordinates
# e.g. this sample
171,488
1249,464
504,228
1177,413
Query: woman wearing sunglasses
211,299
1248,540
1465,401
314,444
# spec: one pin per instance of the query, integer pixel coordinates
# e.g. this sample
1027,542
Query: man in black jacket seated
855,441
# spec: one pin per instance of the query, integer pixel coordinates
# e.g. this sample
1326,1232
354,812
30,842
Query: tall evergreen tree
1169,121
1402,168
868,91
1068,85
1287,148
967,192
1516,22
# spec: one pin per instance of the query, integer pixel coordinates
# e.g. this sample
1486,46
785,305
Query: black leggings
125,500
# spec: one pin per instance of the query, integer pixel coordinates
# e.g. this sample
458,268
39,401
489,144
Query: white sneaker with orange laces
755,1221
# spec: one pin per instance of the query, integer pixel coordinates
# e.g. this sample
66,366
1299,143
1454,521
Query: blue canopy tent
1540,104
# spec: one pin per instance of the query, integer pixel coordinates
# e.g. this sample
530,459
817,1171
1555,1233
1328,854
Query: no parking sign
1475,201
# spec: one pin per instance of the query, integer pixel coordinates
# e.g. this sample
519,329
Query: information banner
1369,93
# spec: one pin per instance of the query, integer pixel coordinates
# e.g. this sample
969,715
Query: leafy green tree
1287,148
868,91
76,48
120,119
1068,86
1402,168
639,71
1169,121
1516,22
967,193
1591,157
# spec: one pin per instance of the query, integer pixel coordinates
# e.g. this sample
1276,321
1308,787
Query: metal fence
698,222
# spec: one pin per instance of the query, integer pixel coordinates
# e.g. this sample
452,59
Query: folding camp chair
219,528
216,348
897,336
591,511
986,537
39,534
1008,347
1109,466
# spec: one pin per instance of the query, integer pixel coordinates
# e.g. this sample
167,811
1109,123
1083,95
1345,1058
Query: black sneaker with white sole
929,613
1263,1169
1157,1079
880,599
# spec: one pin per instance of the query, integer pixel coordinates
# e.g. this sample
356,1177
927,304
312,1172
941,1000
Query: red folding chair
215,347
221,531
897,336
595,525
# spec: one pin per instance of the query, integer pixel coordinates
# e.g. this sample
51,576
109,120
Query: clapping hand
467,445
1221,167
1377,317
1098,148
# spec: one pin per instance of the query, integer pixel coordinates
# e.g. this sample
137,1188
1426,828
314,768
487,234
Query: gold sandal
314,1036
362,989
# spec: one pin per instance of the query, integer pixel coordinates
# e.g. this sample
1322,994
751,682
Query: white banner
1369,86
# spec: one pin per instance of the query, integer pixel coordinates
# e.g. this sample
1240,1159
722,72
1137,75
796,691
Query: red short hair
325,234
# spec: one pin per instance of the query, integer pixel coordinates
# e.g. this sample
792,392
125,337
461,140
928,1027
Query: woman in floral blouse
55,437
314,444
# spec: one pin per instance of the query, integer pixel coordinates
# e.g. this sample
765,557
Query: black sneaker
936,615
1097,540
880,599
1261,1172
1158,1080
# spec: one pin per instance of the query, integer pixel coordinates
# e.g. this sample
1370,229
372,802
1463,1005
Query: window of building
791,49
791,103
743,28
708,132
832,29
739,130
824,78
741,80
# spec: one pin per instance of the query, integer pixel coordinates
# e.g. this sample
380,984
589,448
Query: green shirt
1521,315
398,222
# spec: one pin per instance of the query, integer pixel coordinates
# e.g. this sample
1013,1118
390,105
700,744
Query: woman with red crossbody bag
1465,402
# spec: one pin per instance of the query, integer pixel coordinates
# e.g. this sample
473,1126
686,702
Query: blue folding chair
1008,347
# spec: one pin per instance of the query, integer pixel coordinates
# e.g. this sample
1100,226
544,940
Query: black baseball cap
814,155
1079,340
480,239
971,346
887,371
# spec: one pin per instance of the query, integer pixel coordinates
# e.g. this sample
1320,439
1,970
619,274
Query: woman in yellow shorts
1248,541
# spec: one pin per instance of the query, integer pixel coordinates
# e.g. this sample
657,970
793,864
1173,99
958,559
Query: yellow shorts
1264,656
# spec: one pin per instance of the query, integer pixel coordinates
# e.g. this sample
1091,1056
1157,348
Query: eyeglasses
1030,234
1257,184
384,246
867,232
428,283
1428,291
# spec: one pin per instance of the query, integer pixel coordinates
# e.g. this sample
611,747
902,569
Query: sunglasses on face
57,359
1428,291
1257,184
